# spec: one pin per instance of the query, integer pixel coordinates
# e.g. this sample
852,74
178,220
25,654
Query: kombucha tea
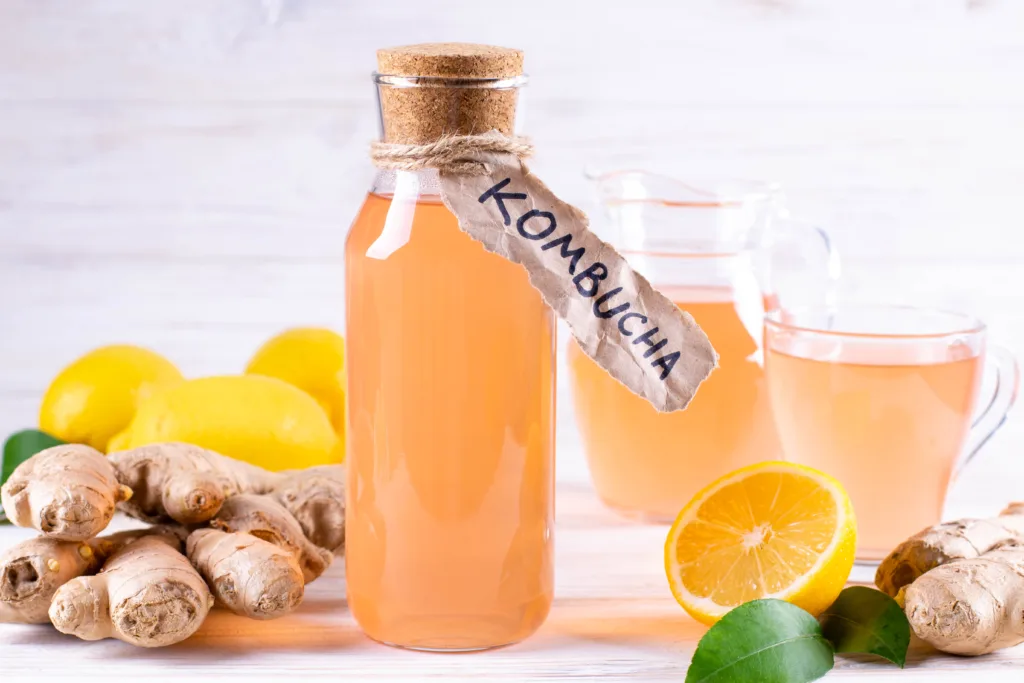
890,433
451,447
649,464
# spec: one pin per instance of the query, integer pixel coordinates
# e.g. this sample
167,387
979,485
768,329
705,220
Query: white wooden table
613,619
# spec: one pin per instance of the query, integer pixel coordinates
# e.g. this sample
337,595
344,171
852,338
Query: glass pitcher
726,253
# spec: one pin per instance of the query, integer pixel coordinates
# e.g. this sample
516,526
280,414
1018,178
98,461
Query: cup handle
993,415
804,252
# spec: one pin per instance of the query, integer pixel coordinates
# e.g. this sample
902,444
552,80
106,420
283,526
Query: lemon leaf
769,641
18,448
865,620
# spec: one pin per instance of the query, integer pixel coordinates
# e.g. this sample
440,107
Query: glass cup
884,399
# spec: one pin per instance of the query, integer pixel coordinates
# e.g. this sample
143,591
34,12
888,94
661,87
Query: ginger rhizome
178,482
249,576
316,498
32,571
970,606
147,594
265,518
189,485
943,543
68,492
961,583
269,533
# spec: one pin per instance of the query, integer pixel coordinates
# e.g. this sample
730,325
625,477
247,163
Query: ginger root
961,583
32,571
183,483
249,576
188,484
944,543
147,594
316,498
970,606
68,492
272,532
265,518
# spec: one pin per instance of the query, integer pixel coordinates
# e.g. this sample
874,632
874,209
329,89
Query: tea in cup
884,398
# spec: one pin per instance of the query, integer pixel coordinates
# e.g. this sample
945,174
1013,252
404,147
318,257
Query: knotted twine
453,154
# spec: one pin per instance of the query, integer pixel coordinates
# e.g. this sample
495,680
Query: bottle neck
407,185
416,110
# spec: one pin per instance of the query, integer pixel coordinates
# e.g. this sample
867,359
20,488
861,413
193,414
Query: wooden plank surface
613,619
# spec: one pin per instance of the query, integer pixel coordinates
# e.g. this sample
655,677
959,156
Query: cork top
478,96
451,60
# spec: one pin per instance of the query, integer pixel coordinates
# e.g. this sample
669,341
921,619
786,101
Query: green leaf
18,448
865,620
21,446
769,641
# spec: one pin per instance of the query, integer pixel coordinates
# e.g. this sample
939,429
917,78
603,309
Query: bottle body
451,423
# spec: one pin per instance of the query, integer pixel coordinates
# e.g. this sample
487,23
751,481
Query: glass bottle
708,246
451,387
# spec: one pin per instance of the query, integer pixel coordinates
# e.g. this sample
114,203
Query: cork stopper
415,115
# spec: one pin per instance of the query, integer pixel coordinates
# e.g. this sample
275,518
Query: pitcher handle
804,251
994,414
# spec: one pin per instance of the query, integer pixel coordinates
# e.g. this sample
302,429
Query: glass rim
969,324
683,253
716,187
394,81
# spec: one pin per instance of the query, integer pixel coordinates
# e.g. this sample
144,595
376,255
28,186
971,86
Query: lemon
120,441
771,530
261,420
312,359
95,397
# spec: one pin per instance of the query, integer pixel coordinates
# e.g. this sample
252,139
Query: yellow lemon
771,530
95,397
120,441
312,359
261,420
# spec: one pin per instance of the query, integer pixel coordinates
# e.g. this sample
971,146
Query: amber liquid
891,434
649,464
451,453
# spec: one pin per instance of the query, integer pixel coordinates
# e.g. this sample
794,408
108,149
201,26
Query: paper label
629,328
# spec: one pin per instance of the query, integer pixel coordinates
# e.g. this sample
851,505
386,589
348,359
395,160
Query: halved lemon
771,530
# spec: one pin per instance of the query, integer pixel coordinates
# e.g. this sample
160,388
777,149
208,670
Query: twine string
455,154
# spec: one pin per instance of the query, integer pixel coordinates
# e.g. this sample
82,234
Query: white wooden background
181,173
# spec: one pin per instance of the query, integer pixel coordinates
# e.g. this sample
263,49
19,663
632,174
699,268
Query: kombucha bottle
450,385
